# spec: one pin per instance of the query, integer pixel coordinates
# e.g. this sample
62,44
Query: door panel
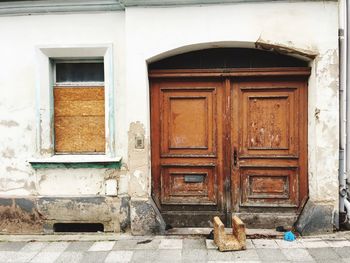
269,122
188,126
191,185
269,187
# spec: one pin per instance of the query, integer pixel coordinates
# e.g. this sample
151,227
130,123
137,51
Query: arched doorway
229,135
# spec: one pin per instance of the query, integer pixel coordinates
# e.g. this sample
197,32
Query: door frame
287,73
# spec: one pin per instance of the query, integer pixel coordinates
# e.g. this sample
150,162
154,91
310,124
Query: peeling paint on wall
286,49
9,123
8,153
139,184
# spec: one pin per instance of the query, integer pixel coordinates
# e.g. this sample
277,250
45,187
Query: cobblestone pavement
175,249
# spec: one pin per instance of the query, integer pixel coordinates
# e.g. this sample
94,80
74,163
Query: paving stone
46,257
323,253
168,255
79,246
94,257
55,247
247,255
314,243
125,244
330,261
343,252
145,256
334,238
289,244
216,255
194,243
4,255
154,244
297,254
34,246
11,246
271,254
210,244
102,246
235,261
20,257
265,243
249,244
70,256
338,243
119,256
170,244
194,255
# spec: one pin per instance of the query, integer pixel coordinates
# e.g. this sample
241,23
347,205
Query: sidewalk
126,248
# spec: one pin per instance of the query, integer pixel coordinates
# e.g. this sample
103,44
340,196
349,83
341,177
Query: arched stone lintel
302,54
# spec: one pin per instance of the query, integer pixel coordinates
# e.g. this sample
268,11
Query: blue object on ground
289,236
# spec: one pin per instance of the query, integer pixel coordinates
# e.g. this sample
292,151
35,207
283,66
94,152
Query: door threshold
204,231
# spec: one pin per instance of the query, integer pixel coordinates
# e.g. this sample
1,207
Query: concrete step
204,231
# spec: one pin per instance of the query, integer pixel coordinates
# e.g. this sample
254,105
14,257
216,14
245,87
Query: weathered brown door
187,150
224,143
268,131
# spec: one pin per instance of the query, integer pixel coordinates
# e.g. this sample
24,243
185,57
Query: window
75,105
79,107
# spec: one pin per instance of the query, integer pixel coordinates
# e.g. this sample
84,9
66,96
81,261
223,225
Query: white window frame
45,56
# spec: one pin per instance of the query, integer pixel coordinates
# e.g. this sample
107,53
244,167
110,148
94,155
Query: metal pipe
347,98
347,206
343,114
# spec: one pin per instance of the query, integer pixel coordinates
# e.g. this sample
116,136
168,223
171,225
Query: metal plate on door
194,178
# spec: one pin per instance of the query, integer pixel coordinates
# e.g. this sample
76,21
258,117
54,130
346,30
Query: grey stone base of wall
30,215
39,214
315,219
145,217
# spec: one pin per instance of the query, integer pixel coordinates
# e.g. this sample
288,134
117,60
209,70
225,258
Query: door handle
234,156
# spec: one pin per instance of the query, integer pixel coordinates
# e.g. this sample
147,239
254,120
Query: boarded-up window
79,112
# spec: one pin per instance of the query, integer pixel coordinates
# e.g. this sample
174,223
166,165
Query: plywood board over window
79,119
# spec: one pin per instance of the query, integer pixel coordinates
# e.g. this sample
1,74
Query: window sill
76,161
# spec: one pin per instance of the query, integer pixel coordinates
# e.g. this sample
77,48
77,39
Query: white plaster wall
20,36
140,35
309,27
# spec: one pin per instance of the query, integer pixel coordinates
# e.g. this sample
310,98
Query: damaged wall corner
289,49
124,214
145,217
315,219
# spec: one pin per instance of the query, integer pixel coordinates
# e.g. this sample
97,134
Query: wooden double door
227,144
